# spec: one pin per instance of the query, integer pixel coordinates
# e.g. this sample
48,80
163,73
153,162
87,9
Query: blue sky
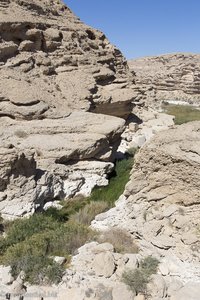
144,27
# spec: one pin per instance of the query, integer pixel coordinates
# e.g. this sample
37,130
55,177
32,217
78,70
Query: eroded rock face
51,64
56,73
169,77
48,159
161,208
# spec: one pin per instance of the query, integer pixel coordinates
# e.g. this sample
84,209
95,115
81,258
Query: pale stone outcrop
160,208
56,73
48,159
168,77
51,64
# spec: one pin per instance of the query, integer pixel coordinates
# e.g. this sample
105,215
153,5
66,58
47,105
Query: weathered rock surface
56,73
169,77
139,131
161,208
48,159
51,64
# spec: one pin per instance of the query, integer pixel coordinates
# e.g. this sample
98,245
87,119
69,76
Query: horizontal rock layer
51,64
169,77
48,159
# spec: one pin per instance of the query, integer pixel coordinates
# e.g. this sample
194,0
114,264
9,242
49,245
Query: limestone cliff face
58,76
51,64
169,77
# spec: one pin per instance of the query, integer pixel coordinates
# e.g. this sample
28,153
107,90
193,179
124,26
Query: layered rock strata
169,77
51,64
56,73
53,159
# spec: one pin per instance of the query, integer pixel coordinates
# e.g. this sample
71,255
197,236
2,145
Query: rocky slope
161,209
51,65
169,77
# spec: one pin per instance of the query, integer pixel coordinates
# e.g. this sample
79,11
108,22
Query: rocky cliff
169,77
56,73
51,64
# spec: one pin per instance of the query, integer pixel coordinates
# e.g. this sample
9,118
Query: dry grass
88,213
121,241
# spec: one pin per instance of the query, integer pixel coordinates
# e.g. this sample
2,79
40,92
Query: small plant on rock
137,279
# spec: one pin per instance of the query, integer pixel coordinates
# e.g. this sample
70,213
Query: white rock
157,286
59,259
163,268
139,297
5,275
54,204
103,264
191,291
120,291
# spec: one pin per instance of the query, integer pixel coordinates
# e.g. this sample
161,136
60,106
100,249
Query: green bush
137,279
69,237
61,240
149,264
38,269
131,151
120,239
70,207
21,229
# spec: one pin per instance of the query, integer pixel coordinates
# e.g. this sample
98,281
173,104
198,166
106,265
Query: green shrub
120,239
21,229
62,240
69,237
70,207
38,269
137,279
149,265
131,151
88,213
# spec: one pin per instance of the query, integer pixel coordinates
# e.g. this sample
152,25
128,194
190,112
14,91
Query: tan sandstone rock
169,77
84,71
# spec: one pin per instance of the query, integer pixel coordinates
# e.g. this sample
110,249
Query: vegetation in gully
30,244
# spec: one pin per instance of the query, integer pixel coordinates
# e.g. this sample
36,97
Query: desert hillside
99,184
